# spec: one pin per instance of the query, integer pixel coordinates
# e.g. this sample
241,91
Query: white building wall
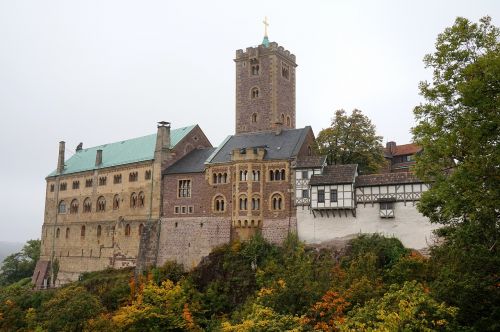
413,229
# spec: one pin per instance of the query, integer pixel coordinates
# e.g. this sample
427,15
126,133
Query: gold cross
266,24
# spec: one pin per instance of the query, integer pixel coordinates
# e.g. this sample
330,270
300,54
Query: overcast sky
102,71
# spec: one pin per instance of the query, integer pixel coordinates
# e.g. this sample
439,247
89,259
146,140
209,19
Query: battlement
256,51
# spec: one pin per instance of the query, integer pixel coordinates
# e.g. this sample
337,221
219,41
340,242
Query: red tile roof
405,149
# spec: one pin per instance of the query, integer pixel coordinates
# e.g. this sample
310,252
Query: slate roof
193,162
335,174
386,178
402,150
310,161
278,147
120,153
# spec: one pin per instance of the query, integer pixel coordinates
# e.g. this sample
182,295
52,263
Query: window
184,189
73,208
183,209
62,207
276,202
282,118
147,175
82,231
99,230
101,204
243,203
58,233
254,66
321,196
309,151
62,186
219,204
219,178
288,121
141,229
87,205
141,199
133,200
116,202
408,158
88,183
254,93
254,117
305,193
386,209
133,176
177,209
127,230
255,203
102,181
51,188
117,179
255,175
190,209
67,232
243,175
305,174
333,195
76,185
277,175
285,71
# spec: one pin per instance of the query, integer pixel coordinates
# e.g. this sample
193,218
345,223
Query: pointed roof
119,153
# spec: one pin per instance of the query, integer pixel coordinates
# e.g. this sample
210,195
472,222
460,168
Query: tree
458,127
352,140
21,264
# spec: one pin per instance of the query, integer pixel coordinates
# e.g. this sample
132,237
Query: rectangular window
321,196
183,209
305,193
333,195
117,179
147,175
102,181
51,188
177,209
76,184
62,186
184,189
386,209
305,174
88,183
190,209
132,177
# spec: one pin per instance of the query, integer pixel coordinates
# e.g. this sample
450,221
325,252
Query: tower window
254,66
255,93
285,71
288,121
254,117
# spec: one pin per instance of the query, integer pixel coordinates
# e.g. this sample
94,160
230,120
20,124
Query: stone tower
265,88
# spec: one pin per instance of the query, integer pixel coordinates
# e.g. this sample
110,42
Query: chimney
277,128
60,160
390,146
98,158
163,137
79,147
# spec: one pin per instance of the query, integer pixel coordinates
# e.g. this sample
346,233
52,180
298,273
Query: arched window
87,205
141,229
82,231
255,93
224,177
243,203
99,230
255,203
133,200
288,121
73,208
255,175
116,202
127,230
62,207
67,232
58,232
309,151
243,175
219,178
141,199
282,118
276,202
283,174
101,204
219,205
271,175
215,178
254,117
277,174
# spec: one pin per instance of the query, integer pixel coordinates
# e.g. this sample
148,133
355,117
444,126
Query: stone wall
188,240
413,229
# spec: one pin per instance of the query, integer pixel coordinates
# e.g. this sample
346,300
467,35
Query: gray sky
102,71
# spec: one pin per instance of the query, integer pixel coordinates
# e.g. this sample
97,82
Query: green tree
69,309
21,264
458,127
351,139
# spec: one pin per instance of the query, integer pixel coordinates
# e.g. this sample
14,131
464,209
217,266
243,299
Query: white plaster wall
413,229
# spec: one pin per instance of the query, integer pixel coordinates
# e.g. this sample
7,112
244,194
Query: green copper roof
119,153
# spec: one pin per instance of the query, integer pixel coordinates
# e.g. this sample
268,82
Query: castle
173,196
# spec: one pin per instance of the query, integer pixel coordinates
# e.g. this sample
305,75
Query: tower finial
265,41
